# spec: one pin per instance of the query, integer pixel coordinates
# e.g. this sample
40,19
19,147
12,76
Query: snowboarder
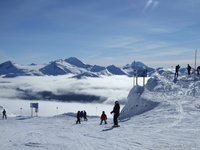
198,68
78,118
103,118
189,68
116,110
85,116
4,114
176,71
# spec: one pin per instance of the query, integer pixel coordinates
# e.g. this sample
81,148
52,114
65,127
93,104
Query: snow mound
137,104
162,90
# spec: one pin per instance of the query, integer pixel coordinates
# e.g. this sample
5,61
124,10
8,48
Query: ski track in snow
60,133
173,124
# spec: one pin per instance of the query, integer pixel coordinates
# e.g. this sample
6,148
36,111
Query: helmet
116,102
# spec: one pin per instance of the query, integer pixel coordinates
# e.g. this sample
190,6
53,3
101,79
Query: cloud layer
107,88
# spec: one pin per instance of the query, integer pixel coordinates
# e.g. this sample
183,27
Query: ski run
163,115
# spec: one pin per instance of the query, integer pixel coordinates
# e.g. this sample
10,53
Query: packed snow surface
163,115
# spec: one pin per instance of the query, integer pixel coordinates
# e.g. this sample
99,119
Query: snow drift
160,89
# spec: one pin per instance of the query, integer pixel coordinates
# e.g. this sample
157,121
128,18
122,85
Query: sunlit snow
163,115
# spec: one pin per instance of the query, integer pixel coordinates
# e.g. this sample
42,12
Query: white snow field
163,115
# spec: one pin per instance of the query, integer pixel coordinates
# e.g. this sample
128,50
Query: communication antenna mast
134,73
195,63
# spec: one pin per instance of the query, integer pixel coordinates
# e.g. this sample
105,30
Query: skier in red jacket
103,118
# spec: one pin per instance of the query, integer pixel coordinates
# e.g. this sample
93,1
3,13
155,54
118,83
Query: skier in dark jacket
116,110
4,114
78,118
176,72
85,116
189,68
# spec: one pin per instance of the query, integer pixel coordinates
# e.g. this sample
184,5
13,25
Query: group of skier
188,69
115,111
81,114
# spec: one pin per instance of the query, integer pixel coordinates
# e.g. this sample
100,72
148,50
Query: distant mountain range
70,65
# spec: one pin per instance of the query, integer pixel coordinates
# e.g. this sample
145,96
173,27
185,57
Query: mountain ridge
71,65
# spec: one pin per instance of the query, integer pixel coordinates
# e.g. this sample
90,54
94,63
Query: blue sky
103,32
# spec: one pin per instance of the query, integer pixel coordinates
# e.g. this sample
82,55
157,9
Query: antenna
195,63
134,73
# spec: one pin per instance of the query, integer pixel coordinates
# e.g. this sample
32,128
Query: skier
85,116
189,68
198,68
116,110
4,114
78,118
176,72
81,114
103,118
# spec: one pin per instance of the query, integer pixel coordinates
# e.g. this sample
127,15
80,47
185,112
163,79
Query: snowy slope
161,89
173,123
60,67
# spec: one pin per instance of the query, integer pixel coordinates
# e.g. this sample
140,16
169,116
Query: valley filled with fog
17,93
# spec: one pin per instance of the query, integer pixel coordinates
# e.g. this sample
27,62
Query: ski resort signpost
139,73
34,105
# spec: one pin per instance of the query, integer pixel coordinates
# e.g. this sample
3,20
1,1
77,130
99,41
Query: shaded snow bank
136,104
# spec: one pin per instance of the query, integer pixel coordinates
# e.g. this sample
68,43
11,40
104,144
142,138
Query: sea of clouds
111,88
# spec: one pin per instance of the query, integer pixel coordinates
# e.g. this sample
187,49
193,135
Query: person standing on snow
176,71
103,118
78,118
81,114
189,68
116,111
85,116
4,114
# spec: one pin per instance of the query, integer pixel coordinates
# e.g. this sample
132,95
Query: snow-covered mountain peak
115,70
139,65
7,64
32,64
97,68
61,67
76,62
